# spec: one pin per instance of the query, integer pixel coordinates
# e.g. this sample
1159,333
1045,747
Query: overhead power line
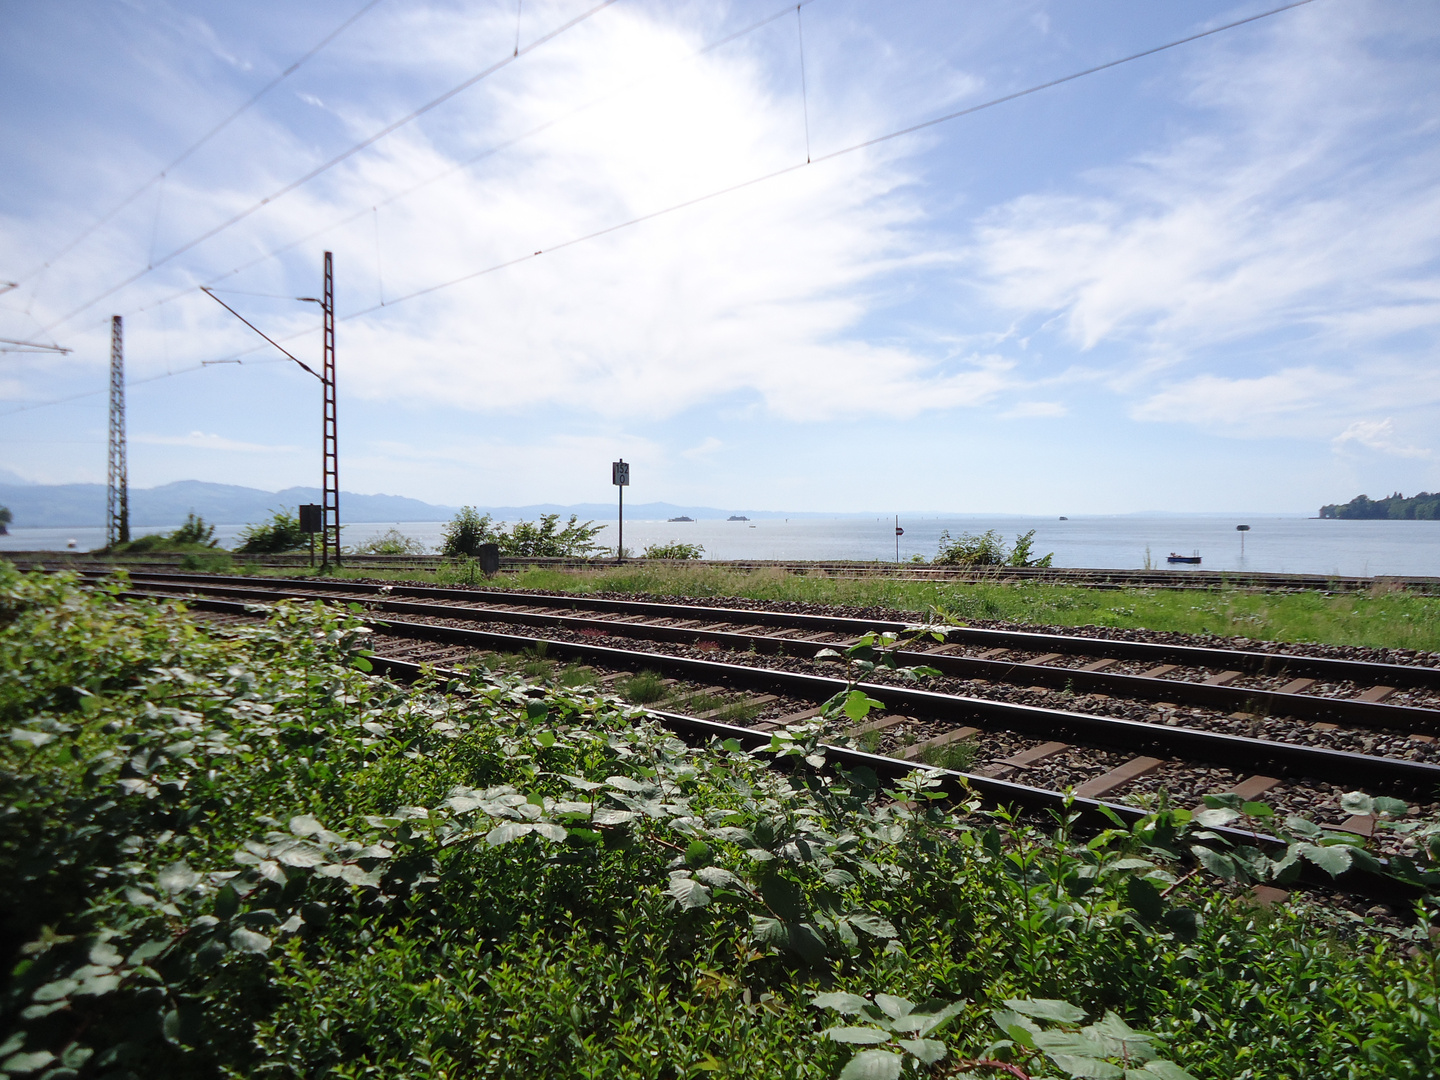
460,166
730,189
345,155
91,229
831,156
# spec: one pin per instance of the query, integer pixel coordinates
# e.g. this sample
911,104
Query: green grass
1386,619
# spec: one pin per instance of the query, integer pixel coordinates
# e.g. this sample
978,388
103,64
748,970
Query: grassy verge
1383,619
241,856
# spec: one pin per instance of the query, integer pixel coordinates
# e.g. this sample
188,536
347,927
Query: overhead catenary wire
461,166
831,156
189,151
343,156
775,174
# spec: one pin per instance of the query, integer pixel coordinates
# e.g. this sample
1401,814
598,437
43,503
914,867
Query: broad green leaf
177,878
20,1064
353,874
306,825
872,1065
1333,860
1357,802
227,902
1144,897
1079,1043
549,830
1258,809
1212,817
1019,1029
301,853
806,941
858,705
624,783
924,1023
510,830
781,895
838,878
716,877
54,991
1047,1009
770,931
1222,866
894,1007
871,923
1394,807
845,1004
1165,1070
609,816
928,1051
247,941
867,1036
688,892
1087,1068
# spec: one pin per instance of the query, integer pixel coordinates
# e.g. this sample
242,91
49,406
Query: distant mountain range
78,505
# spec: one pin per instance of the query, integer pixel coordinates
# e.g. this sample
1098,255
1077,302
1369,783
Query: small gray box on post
312,521
489,555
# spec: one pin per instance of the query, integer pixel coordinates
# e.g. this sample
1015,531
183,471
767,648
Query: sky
1204,280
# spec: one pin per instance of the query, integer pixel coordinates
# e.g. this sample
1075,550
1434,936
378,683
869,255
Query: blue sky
1206,280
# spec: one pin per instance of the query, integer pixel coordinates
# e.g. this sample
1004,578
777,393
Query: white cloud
1279,231
1026,410
200,440
704,449
1378,435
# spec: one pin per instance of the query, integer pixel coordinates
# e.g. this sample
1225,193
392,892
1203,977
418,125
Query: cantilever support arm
262,333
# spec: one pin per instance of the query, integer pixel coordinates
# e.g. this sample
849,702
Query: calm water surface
1275,544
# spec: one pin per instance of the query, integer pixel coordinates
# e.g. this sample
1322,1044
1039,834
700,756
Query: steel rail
1090,815
1132,736
1352,711
1094,578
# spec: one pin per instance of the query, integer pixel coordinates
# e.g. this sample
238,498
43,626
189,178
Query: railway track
1089,578
1108,719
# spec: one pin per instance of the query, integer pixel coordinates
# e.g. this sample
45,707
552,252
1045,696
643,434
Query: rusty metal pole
330,497
117,484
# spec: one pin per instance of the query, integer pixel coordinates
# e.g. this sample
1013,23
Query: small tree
195,531
545,538
281,533
677,550
465,533
989,549
391,542
5,519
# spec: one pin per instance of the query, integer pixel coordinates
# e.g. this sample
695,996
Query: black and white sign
620,473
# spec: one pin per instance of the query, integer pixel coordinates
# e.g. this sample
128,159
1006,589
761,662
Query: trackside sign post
620,477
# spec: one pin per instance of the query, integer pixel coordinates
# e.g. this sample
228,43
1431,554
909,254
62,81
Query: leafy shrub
676,550
227,856
989,549
6,517
391,542
280,534
195,535
546,538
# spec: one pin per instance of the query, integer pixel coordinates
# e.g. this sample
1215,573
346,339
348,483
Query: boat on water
1193,559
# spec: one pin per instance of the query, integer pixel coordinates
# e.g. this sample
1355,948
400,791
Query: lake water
1273,544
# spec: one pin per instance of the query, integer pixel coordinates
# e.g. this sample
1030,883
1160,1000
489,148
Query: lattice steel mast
330,499
117,492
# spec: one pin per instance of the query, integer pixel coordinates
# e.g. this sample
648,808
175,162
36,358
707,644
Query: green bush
676,550
546,538
391,542
6,517
989,549
280,534
194,536
241,856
